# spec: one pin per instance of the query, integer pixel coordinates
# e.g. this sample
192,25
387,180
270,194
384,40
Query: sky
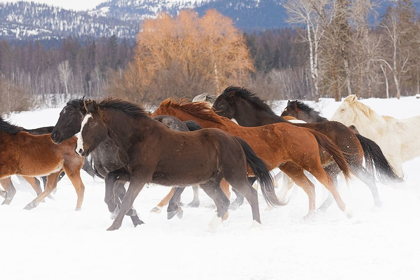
78,5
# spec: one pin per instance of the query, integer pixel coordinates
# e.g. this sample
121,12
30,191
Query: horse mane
247,95
125,106
198,109
306,108
352,100
9,128
77,103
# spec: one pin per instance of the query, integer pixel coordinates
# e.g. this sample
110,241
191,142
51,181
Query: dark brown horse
34,155
105,159
249,110
282,145
153,153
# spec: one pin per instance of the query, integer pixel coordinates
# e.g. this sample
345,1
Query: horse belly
190,171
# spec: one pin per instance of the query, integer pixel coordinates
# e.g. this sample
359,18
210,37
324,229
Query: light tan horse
397,138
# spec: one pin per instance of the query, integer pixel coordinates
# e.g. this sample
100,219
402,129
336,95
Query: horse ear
90,106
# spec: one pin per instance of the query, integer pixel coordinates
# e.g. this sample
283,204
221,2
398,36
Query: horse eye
91,124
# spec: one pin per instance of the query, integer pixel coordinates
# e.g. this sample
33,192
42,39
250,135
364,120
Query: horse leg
173,207
286,186
164,201
115,192
51,185
74,176
136,185
332,170
10,190
239,197
34,182
370,181
213,190
245,188
296,173
326,180
196,200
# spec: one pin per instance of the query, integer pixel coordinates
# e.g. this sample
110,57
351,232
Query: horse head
291,109
92,129
346,112
225,104
68,123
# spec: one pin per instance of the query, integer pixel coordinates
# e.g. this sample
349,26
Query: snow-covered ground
55,242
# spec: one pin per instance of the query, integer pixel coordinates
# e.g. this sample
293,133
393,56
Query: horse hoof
234,206
349,213
111,228
193,204
115,213
180,213
137,222
29,207
310,216
156,210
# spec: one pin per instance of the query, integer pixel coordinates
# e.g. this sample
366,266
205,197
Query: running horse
34,155
398,138
282,145
374,157
153,153
249,110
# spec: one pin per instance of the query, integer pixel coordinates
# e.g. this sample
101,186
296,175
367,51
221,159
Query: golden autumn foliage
187,55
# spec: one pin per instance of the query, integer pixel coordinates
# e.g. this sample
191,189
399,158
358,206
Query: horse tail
262,173
334,150
376,161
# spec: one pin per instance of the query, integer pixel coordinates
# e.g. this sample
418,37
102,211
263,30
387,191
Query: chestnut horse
282,145
249,110
34,155
153,153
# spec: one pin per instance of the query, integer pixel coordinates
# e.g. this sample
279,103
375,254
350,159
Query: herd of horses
232,140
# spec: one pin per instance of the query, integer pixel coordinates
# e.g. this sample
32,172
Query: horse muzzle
81,152
55,137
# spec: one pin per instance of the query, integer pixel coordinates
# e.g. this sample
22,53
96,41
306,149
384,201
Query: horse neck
204,123
312,116
248,115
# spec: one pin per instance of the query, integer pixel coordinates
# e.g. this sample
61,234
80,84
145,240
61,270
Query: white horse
398,139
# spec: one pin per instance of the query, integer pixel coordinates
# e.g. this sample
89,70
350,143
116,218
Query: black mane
9,128
306,109
249,96
126,106
76,103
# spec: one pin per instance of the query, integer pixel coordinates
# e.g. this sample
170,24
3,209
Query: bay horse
175,124
249,110
35,155
153,153
282,145
374,158
398,138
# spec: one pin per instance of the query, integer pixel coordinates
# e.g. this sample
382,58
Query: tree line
330,50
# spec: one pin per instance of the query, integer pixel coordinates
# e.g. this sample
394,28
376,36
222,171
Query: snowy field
55,242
